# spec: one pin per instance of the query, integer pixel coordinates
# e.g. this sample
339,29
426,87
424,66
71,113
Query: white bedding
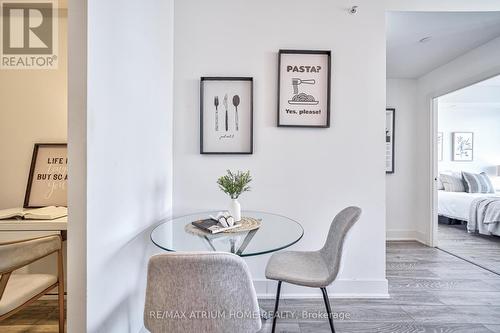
457,205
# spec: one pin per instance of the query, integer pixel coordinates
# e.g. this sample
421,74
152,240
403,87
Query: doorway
466,164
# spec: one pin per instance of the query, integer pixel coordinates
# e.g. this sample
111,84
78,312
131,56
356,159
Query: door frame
433,159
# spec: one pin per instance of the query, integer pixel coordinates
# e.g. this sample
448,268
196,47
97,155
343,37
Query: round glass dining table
276,232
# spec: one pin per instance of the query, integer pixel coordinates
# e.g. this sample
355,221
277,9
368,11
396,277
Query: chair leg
276,306
328,309
60,290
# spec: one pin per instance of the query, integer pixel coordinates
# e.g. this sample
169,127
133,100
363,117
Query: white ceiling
453,34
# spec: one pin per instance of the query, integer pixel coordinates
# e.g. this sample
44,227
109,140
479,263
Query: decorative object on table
304,88
231,130
224,218
246,224
45,213
48,176
390,115
234,184
440,146
463,146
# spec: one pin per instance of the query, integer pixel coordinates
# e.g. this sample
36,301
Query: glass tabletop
275,233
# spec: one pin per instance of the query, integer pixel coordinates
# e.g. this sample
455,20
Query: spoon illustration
236,102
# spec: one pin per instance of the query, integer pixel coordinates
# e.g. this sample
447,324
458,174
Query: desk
59,225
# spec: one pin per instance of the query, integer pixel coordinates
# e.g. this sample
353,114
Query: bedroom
468,164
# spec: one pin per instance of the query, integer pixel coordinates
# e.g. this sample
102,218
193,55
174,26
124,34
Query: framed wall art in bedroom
226,115
440,146
463,146
390,124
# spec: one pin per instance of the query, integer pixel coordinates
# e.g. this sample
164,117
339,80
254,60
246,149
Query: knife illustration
227,117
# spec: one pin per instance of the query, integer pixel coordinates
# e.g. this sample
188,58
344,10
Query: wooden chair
19,290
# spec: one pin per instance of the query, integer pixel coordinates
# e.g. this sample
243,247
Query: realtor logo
29,35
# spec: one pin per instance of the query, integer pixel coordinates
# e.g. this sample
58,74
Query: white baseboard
396,235
338,289
406,235
422,238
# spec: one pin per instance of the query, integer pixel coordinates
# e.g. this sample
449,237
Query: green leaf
234,184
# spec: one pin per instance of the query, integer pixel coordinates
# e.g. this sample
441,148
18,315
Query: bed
457,205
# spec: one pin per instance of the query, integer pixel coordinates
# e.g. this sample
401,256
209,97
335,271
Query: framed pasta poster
304,88
48,176
389,139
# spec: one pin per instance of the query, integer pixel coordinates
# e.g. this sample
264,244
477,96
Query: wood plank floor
479,249
431,291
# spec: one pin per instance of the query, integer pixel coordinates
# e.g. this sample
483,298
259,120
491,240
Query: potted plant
234,184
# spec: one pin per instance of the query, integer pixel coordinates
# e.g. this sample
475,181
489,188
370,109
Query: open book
44,213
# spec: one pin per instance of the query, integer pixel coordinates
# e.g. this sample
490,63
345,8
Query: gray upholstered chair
315,269
20,290
209,292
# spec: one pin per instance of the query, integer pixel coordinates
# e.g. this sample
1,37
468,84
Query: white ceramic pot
235,210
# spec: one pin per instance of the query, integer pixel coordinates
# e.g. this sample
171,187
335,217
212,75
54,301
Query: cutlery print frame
226,115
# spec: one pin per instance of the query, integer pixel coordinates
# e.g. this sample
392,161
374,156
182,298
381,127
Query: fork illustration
216,103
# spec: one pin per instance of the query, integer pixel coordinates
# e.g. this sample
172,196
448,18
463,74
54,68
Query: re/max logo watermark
29,34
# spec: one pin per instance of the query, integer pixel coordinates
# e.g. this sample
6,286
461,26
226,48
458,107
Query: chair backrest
332,250
200,292
21,253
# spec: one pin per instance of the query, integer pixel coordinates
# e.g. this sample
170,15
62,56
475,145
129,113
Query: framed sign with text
304,88
48,176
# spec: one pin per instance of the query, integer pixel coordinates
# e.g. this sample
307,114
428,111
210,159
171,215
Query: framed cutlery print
226,115
304,88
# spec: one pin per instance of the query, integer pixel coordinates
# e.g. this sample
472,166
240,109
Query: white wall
474,66
358,48
33,106
306,174
484,122
129,153
400,198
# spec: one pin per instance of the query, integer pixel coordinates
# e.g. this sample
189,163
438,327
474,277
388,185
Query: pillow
440,185
452,183
478,183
